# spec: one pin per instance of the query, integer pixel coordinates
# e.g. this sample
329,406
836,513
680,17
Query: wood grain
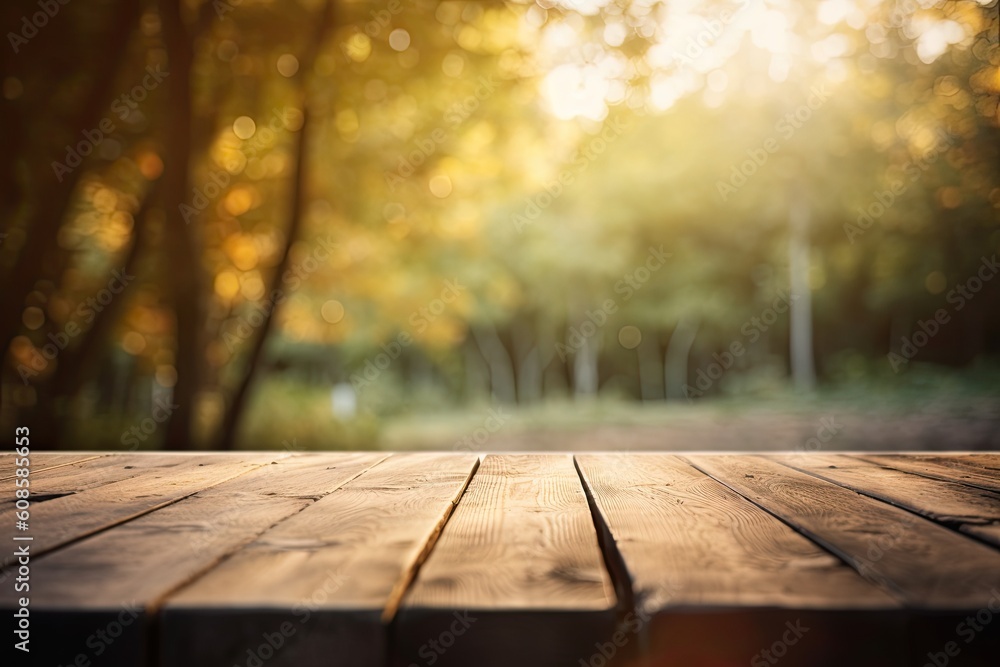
121,575
972,510
520,555
274,560
41,461
703,561
324,578
88,474
925,564
61,520
949,469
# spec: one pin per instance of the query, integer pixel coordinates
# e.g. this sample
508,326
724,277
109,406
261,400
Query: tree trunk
477,373
650,381
498,360
675,362
78,364
529,365
182,247
299,181
51,205
585,378
231,419
800,310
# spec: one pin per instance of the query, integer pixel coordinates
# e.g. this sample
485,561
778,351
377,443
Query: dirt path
770,432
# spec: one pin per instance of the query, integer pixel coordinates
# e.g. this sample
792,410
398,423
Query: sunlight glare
831,12
936,37
574,90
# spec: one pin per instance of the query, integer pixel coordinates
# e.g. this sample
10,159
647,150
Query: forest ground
973,424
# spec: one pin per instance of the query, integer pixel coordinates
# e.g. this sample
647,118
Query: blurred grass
290,416
287,414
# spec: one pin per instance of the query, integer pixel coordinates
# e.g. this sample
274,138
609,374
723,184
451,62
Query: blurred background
620,224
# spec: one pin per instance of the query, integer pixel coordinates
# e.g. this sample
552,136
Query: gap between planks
400,589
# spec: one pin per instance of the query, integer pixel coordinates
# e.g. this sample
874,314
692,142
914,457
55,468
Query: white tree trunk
585,369
800,310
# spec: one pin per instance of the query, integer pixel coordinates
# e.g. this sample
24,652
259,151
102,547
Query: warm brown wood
91,473
56,522
41,461
324,578
122,574
351,558
940,467
971,510
518,559
927,565
693,549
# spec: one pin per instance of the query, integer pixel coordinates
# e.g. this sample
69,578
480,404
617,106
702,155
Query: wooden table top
376,559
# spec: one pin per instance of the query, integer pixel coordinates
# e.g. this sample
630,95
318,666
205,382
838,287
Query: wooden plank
986,464
677,528
319,584
120,575
971,510
519,559
927,565
976,460
82,475
702,560
42,461
936,467
56,522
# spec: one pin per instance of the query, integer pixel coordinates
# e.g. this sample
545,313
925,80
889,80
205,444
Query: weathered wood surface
519,558
959,469
41,461
62,520
372,559
886,544
324,579
972,510
692,548
122,575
